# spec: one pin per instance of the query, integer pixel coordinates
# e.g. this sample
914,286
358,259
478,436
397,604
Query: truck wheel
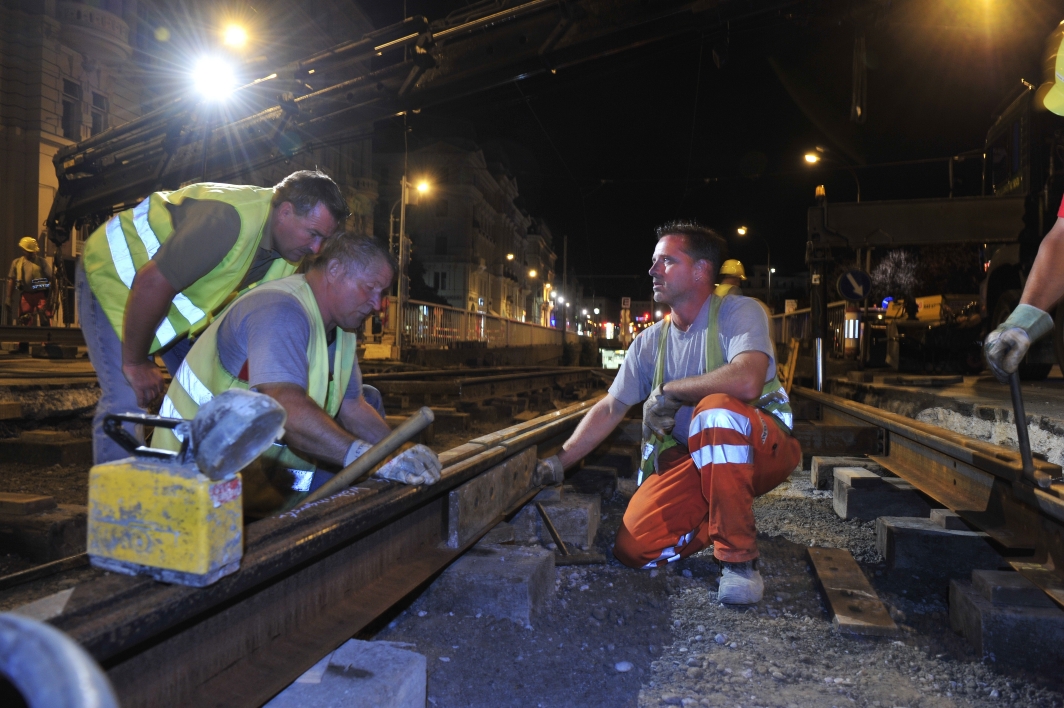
1006,303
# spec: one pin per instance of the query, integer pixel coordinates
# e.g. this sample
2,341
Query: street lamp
532,273
822,153
409,194
742,231
235,36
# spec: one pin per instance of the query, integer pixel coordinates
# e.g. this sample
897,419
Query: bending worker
293,339
154,274
716,422
31,276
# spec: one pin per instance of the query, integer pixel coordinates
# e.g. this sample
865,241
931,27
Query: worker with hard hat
294,340
31,276
153,275
1006,346
716,420
732,274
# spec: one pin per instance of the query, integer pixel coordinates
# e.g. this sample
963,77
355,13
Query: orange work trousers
737,452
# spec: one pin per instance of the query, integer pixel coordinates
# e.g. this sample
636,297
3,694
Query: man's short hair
355,253
305,189
700,242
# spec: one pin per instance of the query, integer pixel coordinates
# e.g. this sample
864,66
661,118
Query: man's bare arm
149,300
592,430
309,427
363,421
743,377
1044,286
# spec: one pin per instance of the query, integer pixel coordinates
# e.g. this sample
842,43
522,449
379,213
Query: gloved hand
1007,345
357,450
417,465
548,471
659,413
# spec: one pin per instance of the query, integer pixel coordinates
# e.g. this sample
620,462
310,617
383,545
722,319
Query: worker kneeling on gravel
716,421
293,339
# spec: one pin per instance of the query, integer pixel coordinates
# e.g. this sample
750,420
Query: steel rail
982,482
48,335
309,579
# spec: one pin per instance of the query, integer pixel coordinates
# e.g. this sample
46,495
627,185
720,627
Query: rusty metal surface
309,579
982,482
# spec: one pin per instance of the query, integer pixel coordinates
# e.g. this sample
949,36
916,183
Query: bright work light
235,36
214,78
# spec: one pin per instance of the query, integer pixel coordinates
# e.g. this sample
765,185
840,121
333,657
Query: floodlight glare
741,230
812,158
214,78
423,187
235,36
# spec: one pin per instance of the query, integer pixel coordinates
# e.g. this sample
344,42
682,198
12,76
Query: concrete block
948,520
501,533
1007,587
47,535
47,447
361,675
508,582
627,487
922,546
860,494
822,468
1029,636
575,516
594,479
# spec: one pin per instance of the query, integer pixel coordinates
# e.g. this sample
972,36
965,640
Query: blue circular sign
854,285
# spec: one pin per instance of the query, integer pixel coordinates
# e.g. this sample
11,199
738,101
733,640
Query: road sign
854,285
626,303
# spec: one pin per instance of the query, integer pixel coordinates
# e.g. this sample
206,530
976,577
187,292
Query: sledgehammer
1041,479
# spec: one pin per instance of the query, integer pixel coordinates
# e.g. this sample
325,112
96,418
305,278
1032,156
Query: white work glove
659,413
417,465
1007,345
357,450
548,472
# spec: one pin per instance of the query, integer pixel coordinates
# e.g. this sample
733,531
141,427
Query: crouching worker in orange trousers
716,421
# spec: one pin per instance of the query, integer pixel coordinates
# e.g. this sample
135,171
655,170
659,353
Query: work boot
740,583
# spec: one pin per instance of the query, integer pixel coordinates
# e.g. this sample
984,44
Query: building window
439,281
441,245
99,113
442,207
71,110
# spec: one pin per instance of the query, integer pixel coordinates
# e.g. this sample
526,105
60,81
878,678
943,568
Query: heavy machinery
1022,183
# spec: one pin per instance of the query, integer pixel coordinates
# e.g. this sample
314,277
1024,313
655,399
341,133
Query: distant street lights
822,153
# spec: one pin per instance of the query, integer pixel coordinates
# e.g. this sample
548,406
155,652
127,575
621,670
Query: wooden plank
857,608
471,506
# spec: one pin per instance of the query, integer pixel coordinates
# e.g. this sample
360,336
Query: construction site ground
613,636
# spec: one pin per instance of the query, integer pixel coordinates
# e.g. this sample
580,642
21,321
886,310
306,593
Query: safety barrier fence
433,326
798,325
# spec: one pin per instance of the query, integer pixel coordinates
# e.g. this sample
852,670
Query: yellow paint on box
164,515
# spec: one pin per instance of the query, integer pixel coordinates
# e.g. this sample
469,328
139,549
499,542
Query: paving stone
923,547
575,517
860,494
47,447
1014,634
360,675
47,535
508,582
822,468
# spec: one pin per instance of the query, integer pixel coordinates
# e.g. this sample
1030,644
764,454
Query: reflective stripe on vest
115,252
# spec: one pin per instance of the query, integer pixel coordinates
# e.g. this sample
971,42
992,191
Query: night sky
608,149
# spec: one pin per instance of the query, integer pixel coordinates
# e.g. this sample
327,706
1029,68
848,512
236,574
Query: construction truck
1021,188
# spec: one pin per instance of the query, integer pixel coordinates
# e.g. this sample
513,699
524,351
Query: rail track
309,579
982,482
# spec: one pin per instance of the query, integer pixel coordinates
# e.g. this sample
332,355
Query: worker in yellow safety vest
153,275
293,339
732,275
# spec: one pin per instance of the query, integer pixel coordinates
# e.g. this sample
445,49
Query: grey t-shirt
742,327
269,331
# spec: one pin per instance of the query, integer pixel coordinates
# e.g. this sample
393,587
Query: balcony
96,33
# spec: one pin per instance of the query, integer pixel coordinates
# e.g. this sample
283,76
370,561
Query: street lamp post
822,153
742,231
409,194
